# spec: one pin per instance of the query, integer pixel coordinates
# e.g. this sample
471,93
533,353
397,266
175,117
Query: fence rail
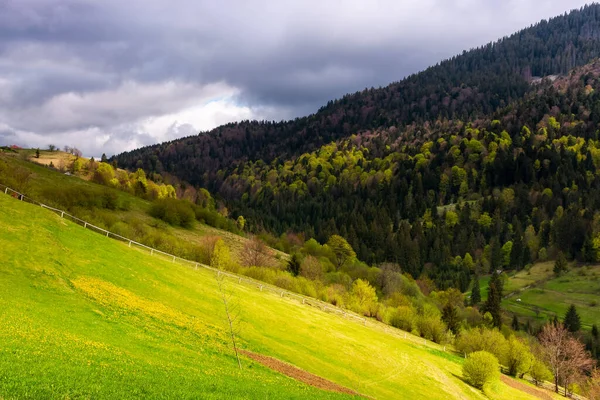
262,286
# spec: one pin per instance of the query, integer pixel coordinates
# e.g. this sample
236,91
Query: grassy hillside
85,316
131,217
540,295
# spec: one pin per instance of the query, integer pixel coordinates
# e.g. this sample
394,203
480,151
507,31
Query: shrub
482,339
403,318
480,368
173,211
539,372
431,328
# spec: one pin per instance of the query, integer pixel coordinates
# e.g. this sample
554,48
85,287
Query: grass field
84,316
543,295
137,208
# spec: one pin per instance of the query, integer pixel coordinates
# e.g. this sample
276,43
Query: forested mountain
465,166
467,86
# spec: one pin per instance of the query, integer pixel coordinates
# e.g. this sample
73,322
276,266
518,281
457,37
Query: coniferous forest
486,161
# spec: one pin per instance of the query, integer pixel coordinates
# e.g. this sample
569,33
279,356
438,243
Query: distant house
15,147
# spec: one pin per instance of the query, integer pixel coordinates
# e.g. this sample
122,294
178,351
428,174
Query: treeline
504,192
466,87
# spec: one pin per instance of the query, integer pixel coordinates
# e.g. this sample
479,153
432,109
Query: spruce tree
494,299
475,292
515,323
595,332
103,158
450,317
572,322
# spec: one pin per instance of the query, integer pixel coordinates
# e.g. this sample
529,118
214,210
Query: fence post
6,190
106,233
196,266
130,243
240,280
173,258
302,301
261,288
282,294
151,251
85,224
62,214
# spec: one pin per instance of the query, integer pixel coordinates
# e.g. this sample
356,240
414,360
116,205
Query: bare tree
219,259
566,356
51,147
256,253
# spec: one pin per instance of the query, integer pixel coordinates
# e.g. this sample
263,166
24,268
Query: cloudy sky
113,75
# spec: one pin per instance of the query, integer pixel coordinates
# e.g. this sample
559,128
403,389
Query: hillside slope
85,316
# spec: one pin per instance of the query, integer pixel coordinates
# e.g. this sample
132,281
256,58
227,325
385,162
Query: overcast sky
113,75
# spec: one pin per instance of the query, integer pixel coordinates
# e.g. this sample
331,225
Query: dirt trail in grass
298,374
539,393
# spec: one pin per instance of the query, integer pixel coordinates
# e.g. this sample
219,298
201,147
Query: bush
403,318
539,372
480,368
482,339
174,212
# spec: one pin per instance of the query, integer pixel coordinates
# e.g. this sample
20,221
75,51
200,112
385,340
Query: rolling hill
85,316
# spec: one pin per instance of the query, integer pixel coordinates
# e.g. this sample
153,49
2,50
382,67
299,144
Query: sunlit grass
84,316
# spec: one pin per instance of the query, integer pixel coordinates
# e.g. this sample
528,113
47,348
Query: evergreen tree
560,265
475,292
494,299
450,317
103,158
293,265
572,321
515,323
595,332
37,153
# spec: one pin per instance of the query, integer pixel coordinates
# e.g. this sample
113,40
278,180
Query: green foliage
342,251
220,258
572,322
494,299
293,265
540,373
450,318
517,358
174,212
363,298
480,368
482,339
560,265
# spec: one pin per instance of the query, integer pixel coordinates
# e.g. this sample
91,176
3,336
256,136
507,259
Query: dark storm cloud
102,73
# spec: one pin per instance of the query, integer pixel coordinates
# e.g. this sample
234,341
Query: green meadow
541,295
83,316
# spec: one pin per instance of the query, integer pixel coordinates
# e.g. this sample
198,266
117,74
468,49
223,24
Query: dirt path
539,393
298,374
